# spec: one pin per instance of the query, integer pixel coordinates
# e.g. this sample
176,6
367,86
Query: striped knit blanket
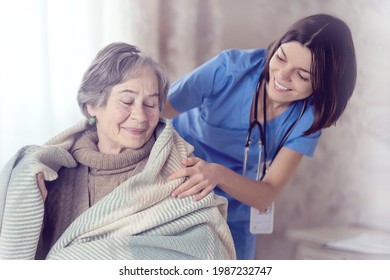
138,220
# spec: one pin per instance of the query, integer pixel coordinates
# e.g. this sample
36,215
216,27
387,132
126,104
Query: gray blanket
138,220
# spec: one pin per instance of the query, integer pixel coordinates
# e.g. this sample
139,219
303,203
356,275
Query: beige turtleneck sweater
107,171
77,189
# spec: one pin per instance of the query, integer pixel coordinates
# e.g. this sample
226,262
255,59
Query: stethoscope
262,168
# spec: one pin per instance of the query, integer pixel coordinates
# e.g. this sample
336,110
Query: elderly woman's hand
41,185
202,177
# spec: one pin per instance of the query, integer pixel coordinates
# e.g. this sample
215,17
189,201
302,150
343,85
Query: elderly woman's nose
138,113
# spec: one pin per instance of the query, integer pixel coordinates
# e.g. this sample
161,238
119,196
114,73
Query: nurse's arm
204,176
168,111
261,194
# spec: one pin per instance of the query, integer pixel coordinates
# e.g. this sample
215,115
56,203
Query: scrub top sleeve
305,145
210,78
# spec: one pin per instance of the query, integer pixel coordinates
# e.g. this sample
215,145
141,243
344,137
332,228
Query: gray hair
111,66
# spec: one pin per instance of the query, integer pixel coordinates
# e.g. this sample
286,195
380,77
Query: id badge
262,222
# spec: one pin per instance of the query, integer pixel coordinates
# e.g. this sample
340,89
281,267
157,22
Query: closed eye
125,102
302,77
151,101
280,58
150,105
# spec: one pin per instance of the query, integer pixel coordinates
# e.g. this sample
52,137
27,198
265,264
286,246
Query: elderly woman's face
131,114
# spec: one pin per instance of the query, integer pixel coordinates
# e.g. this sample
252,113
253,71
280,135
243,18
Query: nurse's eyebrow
299,68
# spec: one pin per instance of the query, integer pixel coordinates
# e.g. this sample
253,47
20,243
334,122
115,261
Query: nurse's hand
201,178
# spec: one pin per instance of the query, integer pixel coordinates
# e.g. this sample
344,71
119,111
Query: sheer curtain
45,48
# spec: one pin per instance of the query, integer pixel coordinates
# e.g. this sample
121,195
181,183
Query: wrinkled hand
201,178
41,185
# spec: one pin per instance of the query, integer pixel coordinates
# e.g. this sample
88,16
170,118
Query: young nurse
293,89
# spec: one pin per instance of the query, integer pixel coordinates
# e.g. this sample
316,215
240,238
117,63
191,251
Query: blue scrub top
216,100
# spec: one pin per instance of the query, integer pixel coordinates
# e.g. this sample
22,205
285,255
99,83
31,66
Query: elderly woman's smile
134,131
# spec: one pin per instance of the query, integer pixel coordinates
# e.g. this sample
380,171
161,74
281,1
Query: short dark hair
111,66
333,68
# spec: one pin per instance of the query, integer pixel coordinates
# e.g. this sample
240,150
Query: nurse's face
289,71
130,115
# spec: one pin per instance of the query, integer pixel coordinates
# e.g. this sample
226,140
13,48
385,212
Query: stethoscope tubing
262,141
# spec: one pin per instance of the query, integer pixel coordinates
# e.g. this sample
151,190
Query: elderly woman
100,189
